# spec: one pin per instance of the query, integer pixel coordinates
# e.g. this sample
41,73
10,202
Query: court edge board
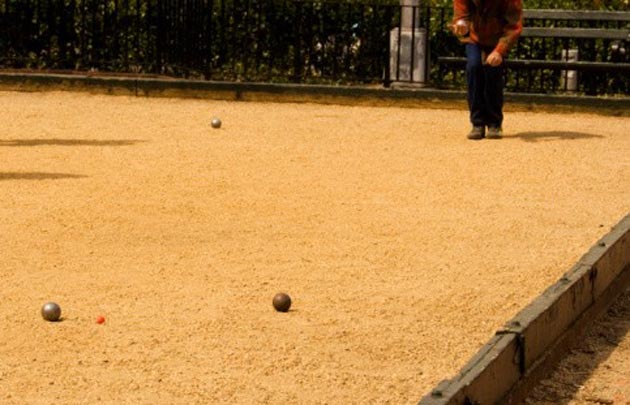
523,352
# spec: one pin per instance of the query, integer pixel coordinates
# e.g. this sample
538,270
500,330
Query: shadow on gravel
38,176
566,383
67,142
534,136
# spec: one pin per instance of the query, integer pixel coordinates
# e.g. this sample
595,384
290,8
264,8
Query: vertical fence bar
61,34
121,16
360,55
247,28
136,51
189,30
83,34
166,36
399,44
106,54
440,72
210,33
258,39
4,35
413,43
321,42
150,55
387,80
185,30
94,39
428,34
200,55
174,50
159,37
297,50
335,42
52,26
347,52
233,47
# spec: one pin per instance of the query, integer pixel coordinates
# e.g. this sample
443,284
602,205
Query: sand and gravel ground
598,370
403,245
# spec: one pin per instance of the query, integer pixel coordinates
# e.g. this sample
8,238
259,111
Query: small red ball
100,319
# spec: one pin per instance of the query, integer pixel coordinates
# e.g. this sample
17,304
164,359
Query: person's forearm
513,28
460,10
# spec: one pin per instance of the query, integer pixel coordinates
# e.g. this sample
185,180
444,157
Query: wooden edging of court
527,347
148,86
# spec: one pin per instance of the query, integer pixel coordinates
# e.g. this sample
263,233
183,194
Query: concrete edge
539,335
131,85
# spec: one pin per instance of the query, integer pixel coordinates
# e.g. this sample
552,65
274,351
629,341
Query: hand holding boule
460,28
494,59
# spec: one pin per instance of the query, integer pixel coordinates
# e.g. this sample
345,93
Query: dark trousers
485,88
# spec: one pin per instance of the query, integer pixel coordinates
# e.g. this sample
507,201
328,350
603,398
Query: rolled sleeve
461,10
513,27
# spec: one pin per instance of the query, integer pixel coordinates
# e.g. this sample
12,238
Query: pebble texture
598,370
403,245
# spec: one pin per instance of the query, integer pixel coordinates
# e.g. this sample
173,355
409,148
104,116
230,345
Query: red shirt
492,23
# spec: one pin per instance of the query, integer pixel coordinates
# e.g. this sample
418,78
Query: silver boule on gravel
51,312
216,123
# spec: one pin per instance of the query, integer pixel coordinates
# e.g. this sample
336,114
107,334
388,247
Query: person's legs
476,84
493,95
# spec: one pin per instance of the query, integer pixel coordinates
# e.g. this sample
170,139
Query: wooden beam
608,67
549,64
562,32
590,15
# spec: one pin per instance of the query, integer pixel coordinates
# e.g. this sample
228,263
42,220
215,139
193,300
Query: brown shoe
494,133
477,133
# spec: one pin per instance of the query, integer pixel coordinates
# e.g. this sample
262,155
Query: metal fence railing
275,40
303,41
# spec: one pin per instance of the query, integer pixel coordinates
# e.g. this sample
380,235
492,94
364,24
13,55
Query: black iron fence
302,41
275,40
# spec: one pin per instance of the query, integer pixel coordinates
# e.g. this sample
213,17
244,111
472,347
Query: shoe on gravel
477,133
494,133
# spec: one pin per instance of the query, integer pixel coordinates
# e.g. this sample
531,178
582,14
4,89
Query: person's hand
494,59
460,28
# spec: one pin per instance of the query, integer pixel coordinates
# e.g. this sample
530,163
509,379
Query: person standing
489,29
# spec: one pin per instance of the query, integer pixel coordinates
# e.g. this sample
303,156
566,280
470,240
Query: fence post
569,78
297,47
407,52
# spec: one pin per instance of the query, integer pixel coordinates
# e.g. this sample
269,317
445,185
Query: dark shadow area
38,176
67,142
601,339
534,136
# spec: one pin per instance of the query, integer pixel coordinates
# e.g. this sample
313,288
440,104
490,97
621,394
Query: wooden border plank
549,64
544,327
568,32
589,15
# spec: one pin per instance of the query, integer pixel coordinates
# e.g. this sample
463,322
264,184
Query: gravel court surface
597,371
403,245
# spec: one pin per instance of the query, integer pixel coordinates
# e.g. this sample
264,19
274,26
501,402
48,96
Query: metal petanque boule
282,302
51,312
216,123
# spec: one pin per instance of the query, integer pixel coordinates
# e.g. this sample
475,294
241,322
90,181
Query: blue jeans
485,88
